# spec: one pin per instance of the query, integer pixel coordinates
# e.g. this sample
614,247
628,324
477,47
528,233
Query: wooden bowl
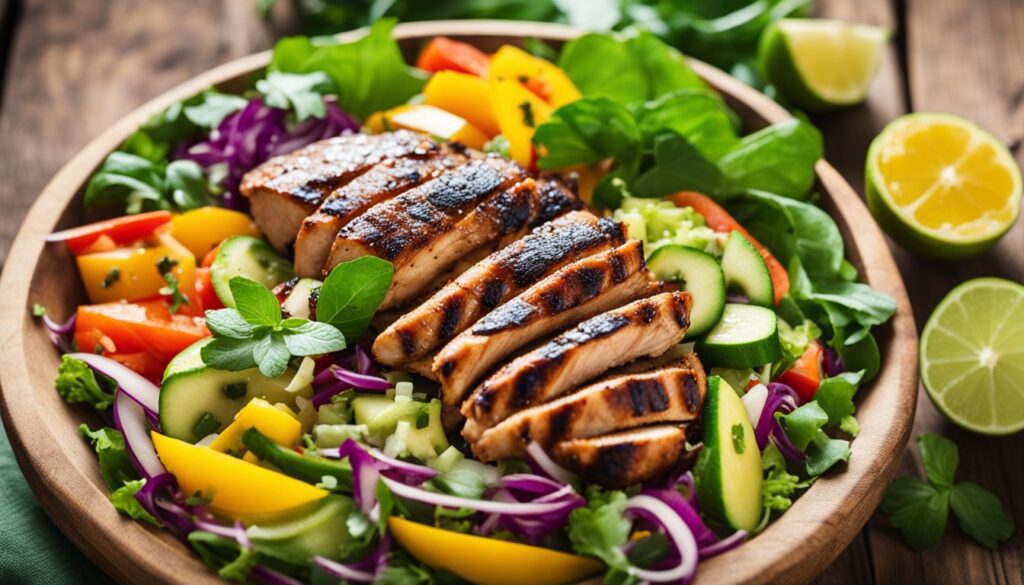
62,470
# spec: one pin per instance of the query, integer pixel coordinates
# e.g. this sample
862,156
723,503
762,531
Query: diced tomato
719,220
210,256
120,230
804,376
146,327
442,54
208,298
149,365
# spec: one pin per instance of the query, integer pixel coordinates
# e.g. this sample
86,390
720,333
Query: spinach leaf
678,166
588,131
697,115
352,292
301,93
778,159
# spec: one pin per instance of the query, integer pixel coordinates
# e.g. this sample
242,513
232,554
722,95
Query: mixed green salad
263,433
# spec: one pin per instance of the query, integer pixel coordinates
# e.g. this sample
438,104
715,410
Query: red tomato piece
442,53
120,230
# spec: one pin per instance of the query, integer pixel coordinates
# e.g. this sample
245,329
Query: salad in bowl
529,316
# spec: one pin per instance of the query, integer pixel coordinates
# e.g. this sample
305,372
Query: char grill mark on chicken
671,394
387,179
576,292
628,457
647,327
283,191
491,282
425,230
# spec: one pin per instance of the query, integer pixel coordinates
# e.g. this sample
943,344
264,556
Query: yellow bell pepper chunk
463,95
200,230
131,273
519,112
489,561
428,120
238,489
541,76
271,420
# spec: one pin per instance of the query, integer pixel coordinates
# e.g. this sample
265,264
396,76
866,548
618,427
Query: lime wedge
942,186
972,356
821,65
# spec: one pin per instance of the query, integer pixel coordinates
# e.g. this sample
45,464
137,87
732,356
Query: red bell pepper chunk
120,230
804,375
442,53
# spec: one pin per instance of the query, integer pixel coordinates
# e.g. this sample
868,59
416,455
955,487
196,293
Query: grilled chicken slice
287,188
384,181
493,281
647,327
425,230
558,195
672,394
629,457
574,293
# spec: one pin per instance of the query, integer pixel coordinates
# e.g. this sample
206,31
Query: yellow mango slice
271,420
488,561
463,95
519,112
238,489
131,273
542,77
200,230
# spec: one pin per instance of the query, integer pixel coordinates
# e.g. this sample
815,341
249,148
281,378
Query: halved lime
972,356
821,65
942,186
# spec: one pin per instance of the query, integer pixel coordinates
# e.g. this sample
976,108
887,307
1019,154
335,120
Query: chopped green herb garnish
737,439
236,390
113,276
527,109
206,425
165,265
38,310
423,419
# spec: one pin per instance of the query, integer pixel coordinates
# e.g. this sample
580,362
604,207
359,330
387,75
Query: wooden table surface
69,68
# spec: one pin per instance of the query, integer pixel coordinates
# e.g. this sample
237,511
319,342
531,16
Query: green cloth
32,550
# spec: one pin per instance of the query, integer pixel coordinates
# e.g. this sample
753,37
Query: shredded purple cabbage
831,364
781,398
257,133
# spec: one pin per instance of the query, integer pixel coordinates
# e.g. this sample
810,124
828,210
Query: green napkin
32,550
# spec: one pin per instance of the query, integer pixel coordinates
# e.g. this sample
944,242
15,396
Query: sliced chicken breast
672,394
559,194
629,457
647,327
425,230
493,281
574,293
287,188
384,181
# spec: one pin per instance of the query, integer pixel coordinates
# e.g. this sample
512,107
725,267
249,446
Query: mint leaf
301,93
271,353
255,303
123,499
940,458
918,510
228,323
313,338
980,514
76,382
225,353
803,424
115,466
352,292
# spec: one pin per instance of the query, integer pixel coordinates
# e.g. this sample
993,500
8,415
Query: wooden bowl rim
795,548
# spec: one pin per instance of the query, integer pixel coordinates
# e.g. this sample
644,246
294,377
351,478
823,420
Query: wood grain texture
966,58
64,476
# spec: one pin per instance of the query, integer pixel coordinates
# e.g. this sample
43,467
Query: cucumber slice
728,471
318,529
249,257
423,436
196,400
697,272
747,336
746,271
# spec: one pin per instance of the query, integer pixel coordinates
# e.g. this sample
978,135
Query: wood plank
966,58
76,66
848,133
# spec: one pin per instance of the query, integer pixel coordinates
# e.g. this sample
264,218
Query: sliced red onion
60,333
342,571
726,544
447,501
786,447
417,473
530,483
686,511
269,576
364,363
130,419
831,364
235,532
343,380
134,385
781,398
365,474
676,531
157,497
539,457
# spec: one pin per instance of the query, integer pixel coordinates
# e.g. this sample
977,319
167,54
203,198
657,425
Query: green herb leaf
980,514
255,303
589,131
803,424
76,382
186,185
115,466
779,159
601,528
302,93
228,323
737,439
849,425
940,457
313,338
835,396
271,353
352,292
123,499
918,510
38,310
823,452
678,166
225,353
213,107
699,116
